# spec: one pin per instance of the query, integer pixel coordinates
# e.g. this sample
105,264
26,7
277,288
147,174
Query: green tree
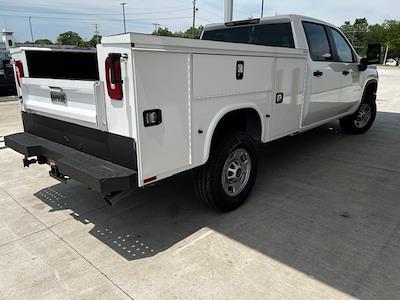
43,42
376,34
183,34
392,28
356,32
197,32
93,40
362,34
163,32
69,38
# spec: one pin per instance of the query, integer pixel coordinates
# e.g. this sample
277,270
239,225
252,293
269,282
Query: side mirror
373,56
363,64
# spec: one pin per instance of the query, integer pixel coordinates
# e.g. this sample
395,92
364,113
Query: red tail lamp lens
114,89
19,68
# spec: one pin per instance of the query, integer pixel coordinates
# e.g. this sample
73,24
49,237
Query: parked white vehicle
143,108
391,62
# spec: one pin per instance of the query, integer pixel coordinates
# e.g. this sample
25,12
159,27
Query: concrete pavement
322,223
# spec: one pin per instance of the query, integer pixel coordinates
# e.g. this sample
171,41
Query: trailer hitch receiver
55,173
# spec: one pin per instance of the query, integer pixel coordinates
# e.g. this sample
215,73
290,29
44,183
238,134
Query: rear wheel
225,182
362,120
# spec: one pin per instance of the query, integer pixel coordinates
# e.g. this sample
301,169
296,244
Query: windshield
276,35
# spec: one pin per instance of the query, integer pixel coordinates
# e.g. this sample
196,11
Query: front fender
371,80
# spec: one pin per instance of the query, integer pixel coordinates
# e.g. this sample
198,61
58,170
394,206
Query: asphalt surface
323,222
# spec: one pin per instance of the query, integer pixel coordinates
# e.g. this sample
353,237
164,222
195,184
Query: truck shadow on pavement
325,204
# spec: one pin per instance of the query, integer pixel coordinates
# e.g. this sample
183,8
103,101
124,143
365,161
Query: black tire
352,123
208,178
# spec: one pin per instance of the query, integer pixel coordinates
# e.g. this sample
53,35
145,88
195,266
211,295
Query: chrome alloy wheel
236,172
364,116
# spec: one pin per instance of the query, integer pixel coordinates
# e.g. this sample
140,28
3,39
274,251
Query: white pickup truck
143,108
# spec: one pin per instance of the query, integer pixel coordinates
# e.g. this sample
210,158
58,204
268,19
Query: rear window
276,35
232,35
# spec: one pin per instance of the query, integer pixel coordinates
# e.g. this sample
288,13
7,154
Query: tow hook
40,160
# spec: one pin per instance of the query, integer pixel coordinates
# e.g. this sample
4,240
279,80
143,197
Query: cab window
344,52
275,35
232,35
318,42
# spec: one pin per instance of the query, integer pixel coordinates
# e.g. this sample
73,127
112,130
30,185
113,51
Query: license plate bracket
57,95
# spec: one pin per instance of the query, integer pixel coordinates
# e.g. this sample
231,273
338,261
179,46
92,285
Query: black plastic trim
111,147
98,174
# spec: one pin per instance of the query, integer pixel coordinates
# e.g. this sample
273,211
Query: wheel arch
253,122
370,86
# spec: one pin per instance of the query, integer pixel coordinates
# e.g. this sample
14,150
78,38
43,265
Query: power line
98,14
156,25
203,19
97,19
211,11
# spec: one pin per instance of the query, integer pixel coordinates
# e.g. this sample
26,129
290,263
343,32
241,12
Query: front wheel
225,182
362,120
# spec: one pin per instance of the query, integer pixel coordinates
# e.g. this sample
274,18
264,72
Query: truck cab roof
266,20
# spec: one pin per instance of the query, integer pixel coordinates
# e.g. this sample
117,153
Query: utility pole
123,15
156,25
195,9
30,26
96,32
386,54
262,8
228,11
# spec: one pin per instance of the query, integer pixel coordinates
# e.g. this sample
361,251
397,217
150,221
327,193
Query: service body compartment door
286,106
162,82
75,101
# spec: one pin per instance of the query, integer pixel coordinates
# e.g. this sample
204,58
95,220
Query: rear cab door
286,106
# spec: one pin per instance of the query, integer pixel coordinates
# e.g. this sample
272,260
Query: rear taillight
19,69
113,78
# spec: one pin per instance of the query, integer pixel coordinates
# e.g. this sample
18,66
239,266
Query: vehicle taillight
19,68
113,78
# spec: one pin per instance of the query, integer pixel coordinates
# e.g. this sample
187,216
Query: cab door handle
346,72
318,73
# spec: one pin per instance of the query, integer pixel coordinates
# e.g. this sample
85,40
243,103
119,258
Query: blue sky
81,15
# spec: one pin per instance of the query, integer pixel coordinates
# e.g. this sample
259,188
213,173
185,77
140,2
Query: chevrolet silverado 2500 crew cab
142,108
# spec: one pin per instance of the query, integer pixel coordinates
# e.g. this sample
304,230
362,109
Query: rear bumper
100,175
